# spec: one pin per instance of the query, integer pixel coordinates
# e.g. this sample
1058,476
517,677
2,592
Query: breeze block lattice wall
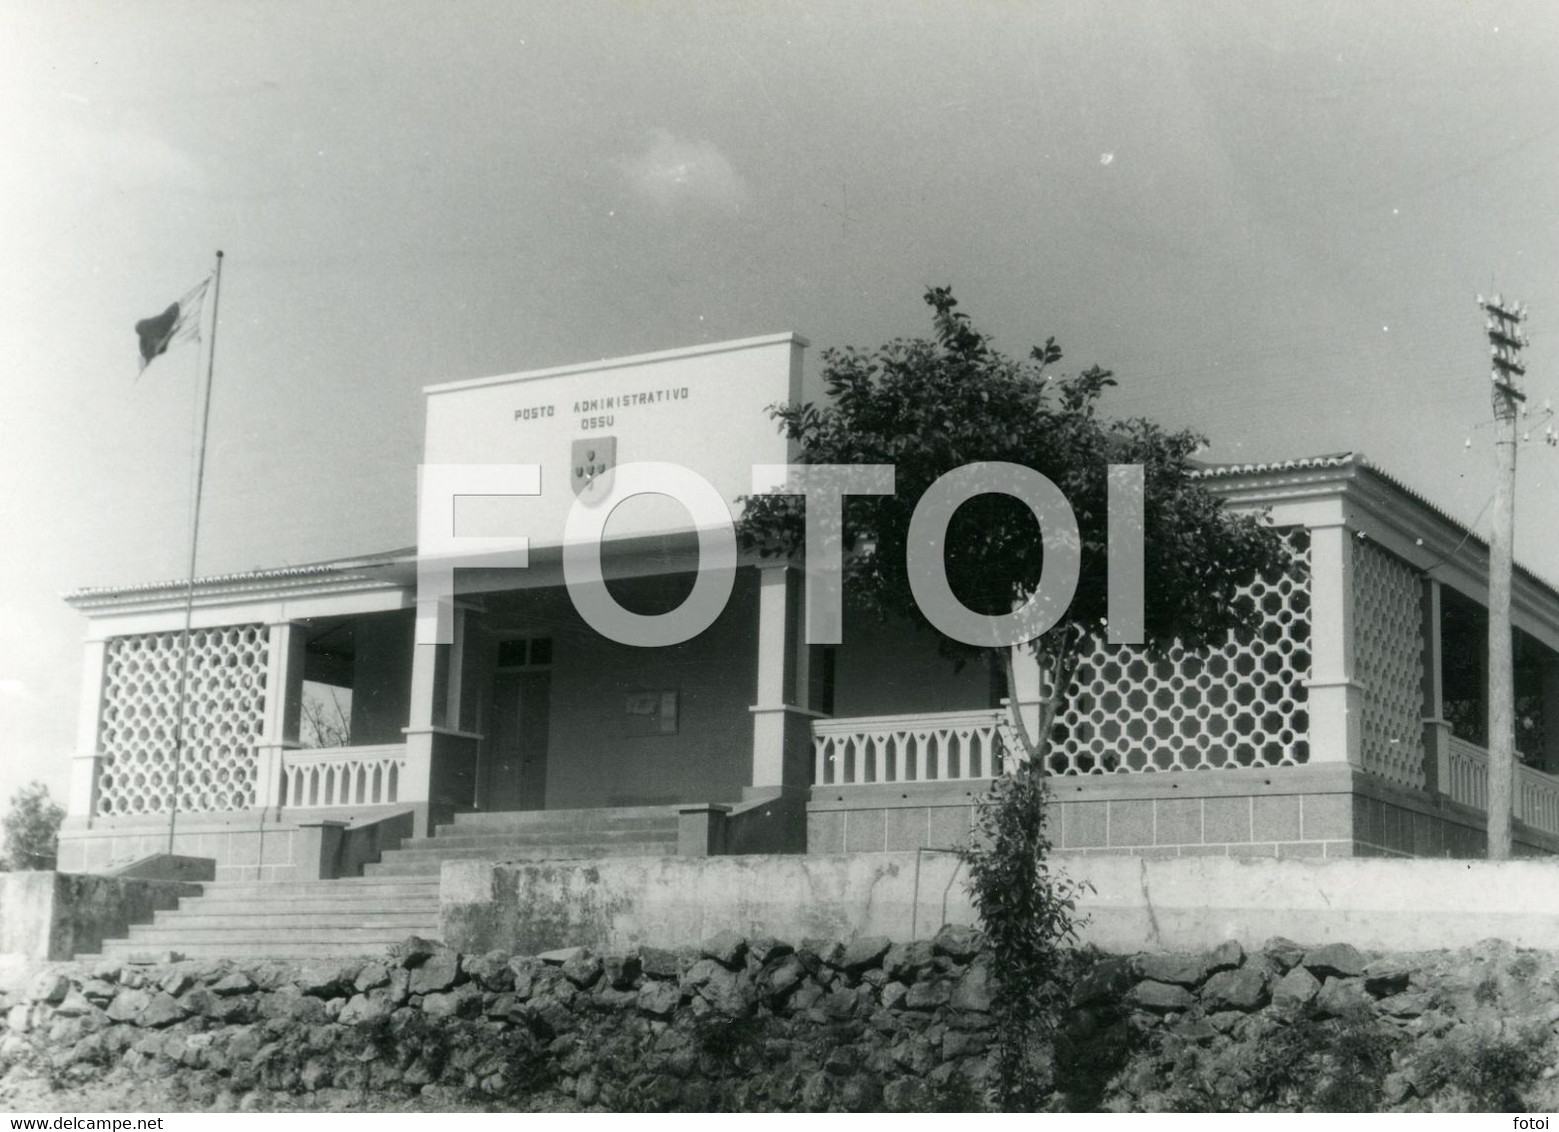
140,713
1388,655
1240,705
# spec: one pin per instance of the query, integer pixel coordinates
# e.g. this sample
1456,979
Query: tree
326,722
927,407
930,406
32,830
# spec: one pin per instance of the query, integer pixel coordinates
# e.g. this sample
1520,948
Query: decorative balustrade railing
342,776
932,747
1537,799
1537,794
1469,777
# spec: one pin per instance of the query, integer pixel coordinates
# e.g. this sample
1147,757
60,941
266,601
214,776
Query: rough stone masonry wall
738,1023
754,1024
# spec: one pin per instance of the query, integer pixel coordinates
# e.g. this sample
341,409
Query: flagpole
194,544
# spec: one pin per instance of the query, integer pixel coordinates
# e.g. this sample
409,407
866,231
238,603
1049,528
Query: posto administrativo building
1352,724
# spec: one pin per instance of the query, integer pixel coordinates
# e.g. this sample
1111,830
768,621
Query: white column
283,709
1336,734
416,785
780,722
85,761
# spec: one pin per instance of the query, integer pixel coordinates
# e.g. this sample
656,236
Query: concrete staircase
289,919
536,835
396,897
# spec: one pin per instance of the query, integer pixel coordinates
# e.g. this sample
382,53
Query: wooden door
517,766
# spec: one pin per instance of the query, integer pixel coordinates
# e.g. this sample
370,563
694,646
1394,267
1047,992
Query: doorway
516,771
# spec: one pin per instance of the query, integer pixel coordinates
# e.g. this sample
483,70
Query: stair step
560,847
253,950
325,921
560,837
582,819
144,937
279,905
352,886
433,855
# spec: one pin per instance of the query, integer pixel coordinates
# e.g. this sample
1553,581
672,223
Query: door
517,766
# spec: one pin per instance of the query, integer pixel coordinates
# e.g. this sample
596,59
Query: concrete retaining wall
1136,904
616,904
48,915
247,845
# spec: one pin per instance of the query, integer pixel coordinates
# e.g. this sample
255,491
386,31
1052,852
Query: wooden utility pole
1503,324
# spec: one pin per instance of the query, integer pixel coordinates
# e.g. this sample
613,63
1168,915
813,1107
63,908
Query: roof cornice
353,575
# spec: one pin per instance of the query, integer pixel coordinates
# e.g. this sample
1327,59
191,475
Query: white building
1351,725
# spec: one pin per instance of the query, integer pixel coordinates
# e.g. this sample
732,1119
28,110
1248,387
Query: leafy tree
32,829
929,406
325,720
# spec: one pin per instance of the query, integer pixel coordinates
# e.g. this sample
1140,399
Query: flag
179,323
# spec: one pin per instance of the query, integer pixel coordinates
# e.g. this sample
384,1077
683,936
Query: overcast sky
1269,219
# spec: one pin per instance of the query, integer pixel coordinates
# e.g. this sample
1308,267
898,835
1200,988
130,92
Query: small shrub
1029,915
32,830
1524,966
1302,1064
733,1044
956,1094
1486,993
1491,1070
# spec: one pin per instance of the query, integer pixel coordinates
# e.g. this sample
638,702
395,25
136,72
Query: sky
1270,220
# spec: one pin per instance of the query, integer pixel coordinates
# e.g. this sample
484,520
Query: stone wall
1319,1028
756,1024
735,1023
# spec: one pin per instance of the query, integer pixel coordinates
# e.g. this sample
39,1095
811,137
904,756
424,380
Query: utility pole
1503,324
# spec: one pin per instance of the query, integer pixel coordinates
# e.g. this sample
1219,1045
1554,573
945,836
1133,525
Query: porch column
283,709
85,761
427,712
781,726
1335,696
1437,729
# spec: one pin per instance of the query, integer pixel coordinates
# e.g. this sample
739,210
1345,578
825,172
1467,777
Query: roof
621,363
1357,460
356,567
372,566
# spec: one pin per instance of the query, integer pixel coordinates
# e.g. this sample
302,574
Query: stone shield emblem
590,467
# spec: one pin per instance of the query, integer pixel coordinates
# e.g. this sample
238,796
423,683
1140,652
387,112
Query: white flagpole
194,543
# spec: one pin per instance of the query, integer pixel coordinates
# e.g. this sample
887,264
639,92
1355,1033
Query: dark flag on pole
179,323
